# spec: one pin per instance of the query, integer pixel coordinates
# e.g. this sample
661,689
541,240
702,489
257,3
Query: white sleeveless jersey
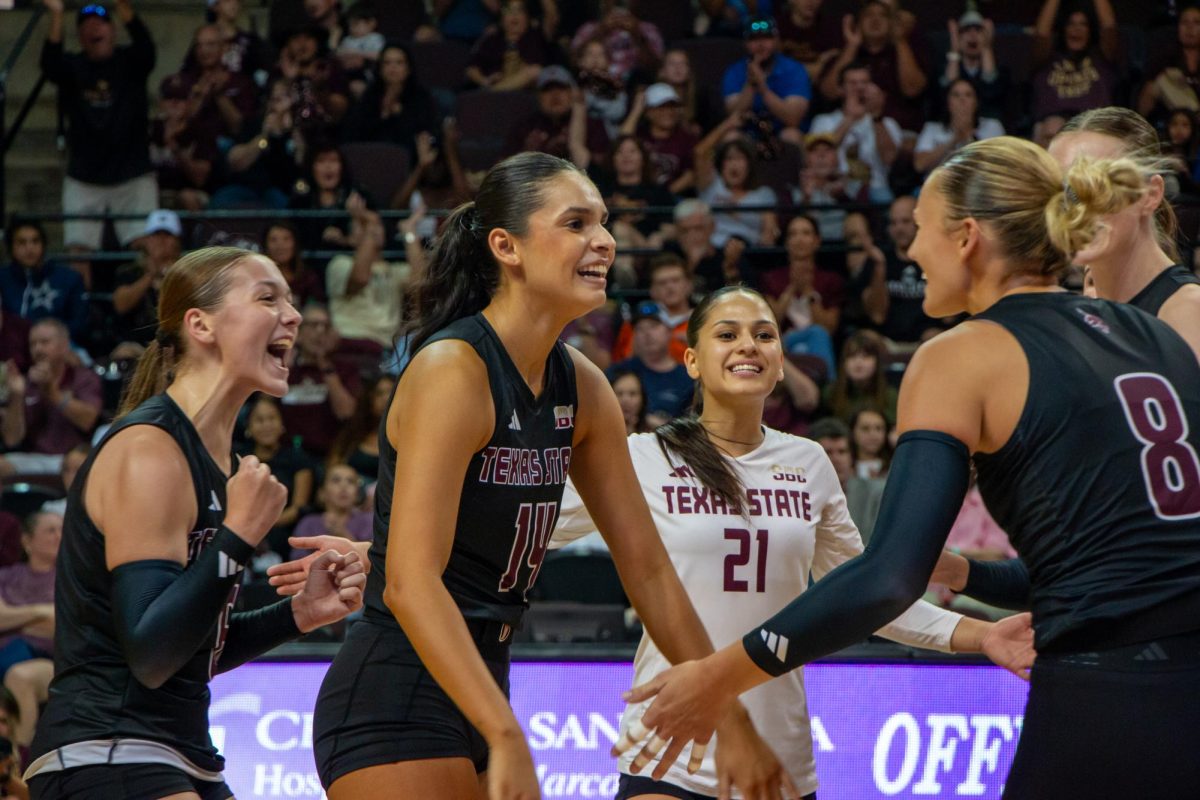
739,571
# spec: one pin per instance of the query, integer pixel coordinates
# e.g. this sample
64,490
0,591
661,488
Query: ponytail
154,373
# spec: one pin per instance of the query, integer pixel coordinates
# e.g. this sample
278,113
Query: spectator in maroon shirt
14,342
182,158
561,126
510,56
219,101
807,35
321,392
61,403
667,141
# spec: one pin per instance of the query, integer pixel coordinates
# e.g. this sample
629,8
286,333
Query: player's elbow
148,672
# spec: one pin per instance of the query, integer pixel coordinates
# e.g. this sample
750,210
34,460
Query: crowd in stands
776,143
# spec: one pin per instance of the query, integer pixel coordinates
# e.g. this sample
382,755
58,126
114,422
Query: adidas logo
226,566
215,505
515,425
777,644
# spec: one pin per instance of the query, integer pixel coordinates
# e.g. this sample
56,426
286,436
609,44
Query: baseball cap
647,309
971,19
555,75
659,94
163,220
94,10
814,139
758,27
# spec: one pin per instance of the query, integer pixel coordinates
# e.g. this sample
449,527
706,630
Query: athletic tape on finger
697,756
632,735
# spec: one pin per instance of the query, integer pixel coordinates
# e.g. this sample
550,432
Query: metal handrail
7,137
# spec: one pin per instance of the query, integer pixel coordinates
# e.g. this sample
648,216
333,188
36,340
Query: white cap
658,94
163,220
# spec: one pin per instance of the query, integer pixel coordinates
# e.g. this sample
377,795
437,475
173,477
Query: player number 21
746,552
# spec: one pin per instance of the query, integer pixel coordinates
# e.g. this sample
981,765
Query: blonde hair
1039,217
1140,141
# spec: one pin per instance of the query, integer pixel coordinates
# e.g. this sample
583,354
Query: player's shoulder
787,451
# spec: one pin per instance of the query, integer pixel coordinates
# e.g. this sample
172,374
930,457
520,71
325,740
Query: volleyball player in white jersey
746,512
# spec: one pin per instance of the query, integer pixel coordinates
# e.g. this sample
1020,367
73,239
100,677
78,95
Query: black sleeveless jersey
94,695
1151,298
510,494
1099,485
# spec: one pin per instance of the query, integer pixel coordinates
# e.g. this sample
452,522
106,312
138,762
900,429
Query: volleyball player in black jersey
155,538
486,421
1082,417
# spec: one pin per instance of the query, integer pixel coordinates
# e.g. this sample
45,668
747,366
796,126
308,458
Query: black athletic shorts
379,704
126,781
1117,724
632,786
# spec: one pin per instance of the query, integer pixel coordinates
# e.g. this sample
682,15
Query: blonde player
746,512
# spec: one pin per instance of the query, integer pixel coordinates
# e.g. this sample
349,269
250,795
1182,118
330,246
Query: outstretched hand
1009,643
289,577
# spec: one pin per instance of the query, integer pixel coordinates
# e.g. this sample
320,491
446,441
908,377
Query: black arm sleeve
52,62
163,612
252,633
925,490
141,46
1004,584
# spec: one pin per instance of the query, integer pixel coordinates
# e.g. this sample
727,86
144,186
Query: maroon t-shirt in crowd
542,134
807,44
671,156
14,341
47,429
306,409
10,539
21,586
885,73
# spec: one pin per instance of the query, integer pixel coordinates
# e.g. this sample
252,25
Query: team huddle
1079,414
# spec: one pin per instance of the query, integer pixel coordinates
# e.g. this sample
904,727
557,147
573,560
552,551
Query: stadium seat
378,167
440,64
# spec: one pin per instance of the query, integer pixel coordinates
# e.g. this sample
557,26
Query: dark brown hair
841,403
360,425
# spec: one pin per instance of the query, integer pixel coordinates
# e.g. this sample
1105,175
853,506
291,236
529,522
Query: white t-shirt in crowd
936,134
860,138
374,311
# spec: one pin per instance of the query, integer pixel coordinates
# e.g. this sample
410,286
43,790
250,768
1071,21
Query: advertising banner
879,730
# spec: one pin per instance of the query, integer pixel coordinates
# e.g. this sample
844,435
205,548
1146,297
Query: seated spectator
32,288
322,95
863,495
135,298
893,297
1075,54
510,56
709,267
772,89
809,306
27,606
71,463
218,101
263,167
359,52
245,53
51,409
631,396
878,41
281,243
868,140
790,405
182,158
869,442
861,380
960,125
630,184
365,291
395,106
561,126
698,113
1175,75
727,178
604,93
436,180
321,390
822,183
811,37
1180,144
972,58
357,443
666,139
669,388
632,45
671,289
341,500
463,20
289,465
327,186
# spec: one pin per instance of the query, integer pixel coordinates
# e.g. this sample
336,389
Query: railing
9,135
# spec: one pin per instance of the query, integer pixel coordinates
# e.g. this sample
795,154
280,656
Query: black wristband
1004,584
252,633
232,545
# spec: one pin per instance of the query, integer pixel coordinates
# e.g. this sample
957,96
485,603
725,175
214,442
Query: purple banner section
879,730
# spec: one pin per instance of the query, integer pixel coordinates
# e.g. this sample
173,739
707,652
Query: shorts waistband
1165,653
489,631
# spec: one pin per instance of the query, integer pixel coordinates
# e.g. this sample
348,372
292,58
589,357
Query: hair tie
1069,195
470,219
164,339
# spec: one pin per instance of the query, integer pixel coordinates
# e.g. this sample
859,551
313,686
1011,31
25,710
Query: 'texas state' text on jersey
94,694
510,494
1099,485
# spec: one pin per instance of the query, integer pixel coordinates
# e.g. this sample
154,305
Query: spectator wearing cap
32,288
135,298
510,56
633,45
868,140
561,126
961,123
824,185
657,120
671,287
53,408
767,83
878,38
103,92
669,388
972,58
1075,51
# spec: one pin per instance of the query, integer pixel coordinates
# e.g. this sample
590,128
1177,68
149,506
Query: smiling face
340,489
97,38
737,355
265,424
